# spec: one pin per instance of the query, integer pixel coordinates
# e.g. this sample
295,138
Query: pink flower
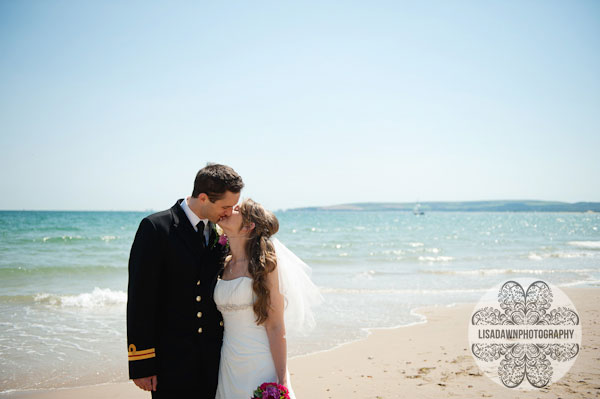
271,390
223,240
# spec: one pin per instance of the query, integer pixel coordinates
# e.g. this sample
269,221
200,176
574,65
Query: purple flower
271,393
223,240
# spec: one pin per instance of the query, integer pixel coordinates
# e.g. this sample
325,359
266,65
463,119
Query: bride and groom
208,308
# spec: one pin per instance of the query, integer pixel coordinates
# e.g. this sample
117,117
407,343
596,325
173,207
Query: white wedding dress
246,360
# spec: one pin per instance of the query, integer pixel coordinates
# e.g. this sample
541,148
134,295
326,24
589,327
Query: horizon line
297,207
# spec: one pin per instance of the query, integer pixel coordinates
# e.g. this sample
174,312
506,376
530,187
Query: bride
264,289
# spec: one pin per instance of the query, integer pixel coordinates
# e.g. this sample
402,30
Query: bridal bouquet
271,390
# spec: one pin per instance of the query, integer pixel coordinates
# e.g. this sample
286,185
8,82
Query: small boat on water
417,210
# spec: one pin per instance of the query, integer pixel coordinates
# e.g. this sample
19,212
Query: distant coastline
463,206
435,206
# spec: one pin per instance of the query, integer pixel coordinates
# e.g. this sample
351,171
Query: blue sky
116,105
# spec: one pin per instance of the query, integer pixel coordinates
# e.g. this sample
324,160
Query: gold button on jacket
198,298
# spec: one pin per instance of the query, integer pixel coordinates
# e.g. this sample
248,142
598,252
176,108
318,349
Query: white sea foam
585,244
397,252
580,282
331,290
108,238
99,297
561,255
510,271
534,256
366,274
61,238
69,238
435,258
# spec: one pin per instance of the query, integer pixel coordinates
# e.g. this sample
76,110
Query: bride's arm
275,327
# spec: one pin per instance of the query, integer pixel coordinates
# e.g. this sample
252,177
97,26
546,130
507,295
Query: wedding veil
300,293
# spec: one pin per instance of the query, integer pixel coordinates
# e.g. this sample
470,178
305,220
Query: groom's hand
146,383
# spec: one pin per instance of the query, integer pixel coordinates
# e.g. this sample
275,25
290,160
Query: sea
63,278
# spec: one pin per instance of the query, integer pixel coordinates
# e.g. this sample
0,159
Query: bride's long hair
260,252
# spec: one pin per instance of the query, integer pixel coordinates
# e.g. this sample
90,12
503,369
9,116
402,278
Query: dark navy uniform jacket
174,330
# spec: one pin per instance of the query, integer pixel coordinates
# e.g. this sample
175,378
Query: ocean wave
396,252
561,255
369,274
65,238
414,250
580,282
435,258
332,290
585,244
508,271
99,297
366,274
60,270
534,256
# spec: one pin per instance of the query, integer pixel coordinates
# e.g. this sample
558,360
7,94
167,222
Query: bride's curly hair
260,252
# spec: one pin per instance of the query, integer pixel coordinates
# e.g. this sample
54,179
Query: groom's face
221,208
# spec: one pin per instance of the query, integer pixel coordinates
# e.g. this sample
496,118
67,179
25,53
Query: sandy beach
427,360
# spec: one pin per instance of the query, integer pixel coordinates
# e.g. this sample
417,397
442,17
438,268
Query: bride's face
232,224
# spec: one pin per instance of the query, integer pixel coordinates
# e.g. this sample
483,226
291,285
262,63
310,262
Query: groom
174,330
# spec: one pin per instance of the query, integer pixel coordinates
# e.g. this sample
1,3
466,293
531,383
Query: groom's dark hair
214,180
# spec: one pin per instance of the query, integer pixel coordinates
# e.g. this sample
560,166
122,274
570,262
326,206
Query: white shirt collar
193,218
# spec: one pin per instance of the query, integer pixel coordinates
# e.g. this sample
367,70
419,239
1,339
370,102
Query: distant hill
466,206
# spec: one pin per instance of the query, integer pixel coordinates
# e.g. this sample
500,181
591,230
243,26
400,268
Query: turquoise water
64,277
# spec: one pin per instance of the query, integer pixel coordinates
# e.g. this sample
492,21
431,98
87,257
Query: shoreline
370,331
407,358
